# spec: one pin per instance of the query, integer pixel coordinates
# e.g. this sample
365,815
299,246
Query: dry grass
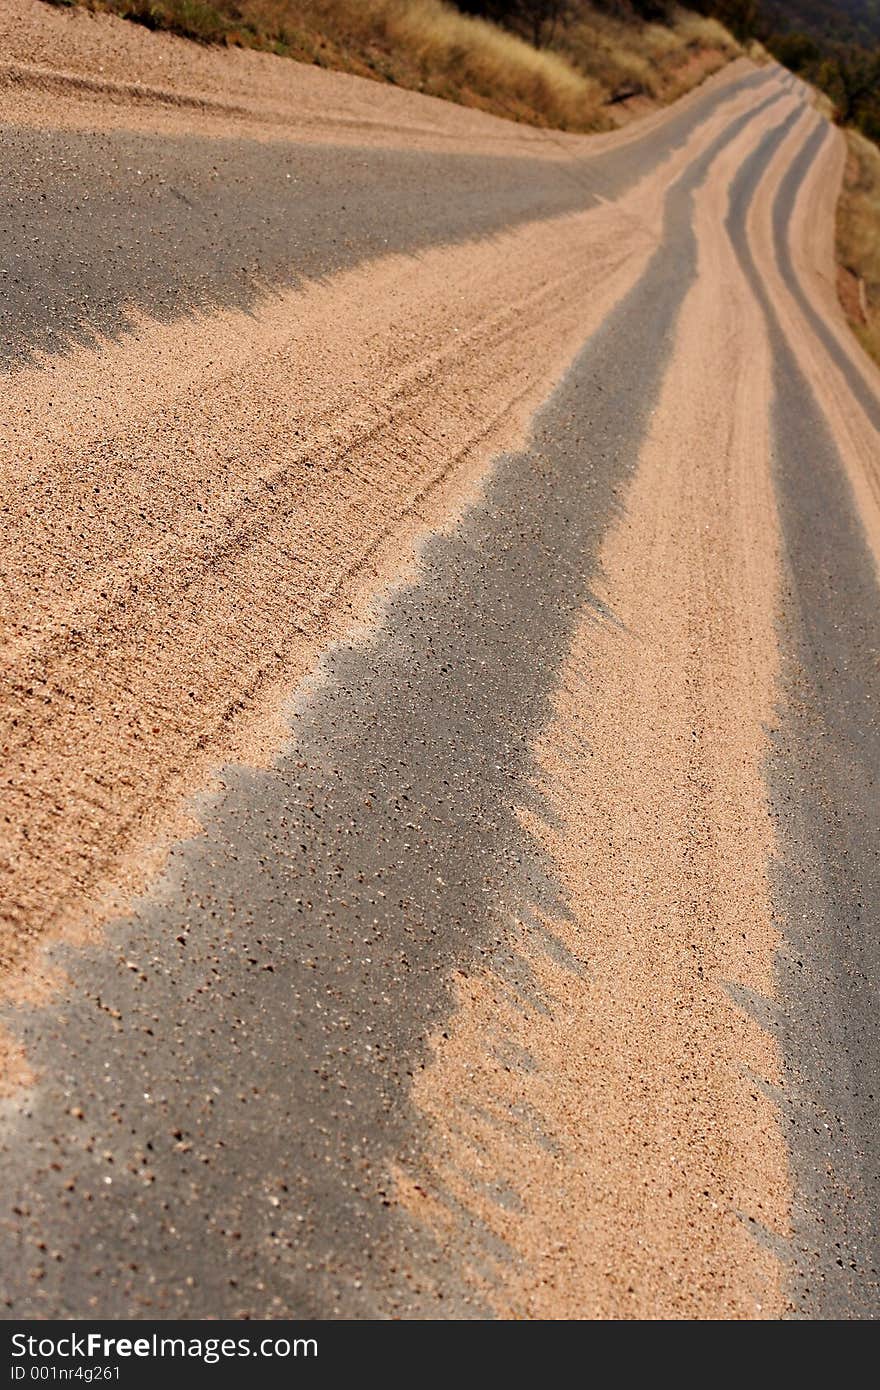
658,61
596,62
858,240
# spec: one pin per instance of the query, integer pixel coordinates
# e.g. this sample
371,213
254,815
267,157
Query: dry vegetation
655,60
858,240
595,64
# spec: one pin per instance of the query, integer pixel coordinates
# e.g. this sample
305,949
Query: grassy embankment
858,240
595,61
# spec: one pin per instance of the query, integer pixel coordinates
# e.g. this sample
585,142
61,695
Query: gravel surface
509,541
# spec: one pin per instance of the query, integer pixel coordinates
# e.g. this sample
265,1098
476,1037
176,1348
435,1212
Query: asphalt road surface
440,703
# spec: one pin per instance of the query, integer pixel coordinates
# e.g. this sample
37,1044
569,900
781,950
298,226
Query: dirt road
440,701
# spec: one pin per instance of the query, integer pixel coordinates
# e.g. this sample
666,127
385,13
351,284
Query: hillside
590,70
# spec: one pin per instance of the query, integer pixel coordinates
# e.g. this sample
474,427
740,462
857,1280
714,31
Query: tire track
822,773
646,1175
225,1091
783,207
